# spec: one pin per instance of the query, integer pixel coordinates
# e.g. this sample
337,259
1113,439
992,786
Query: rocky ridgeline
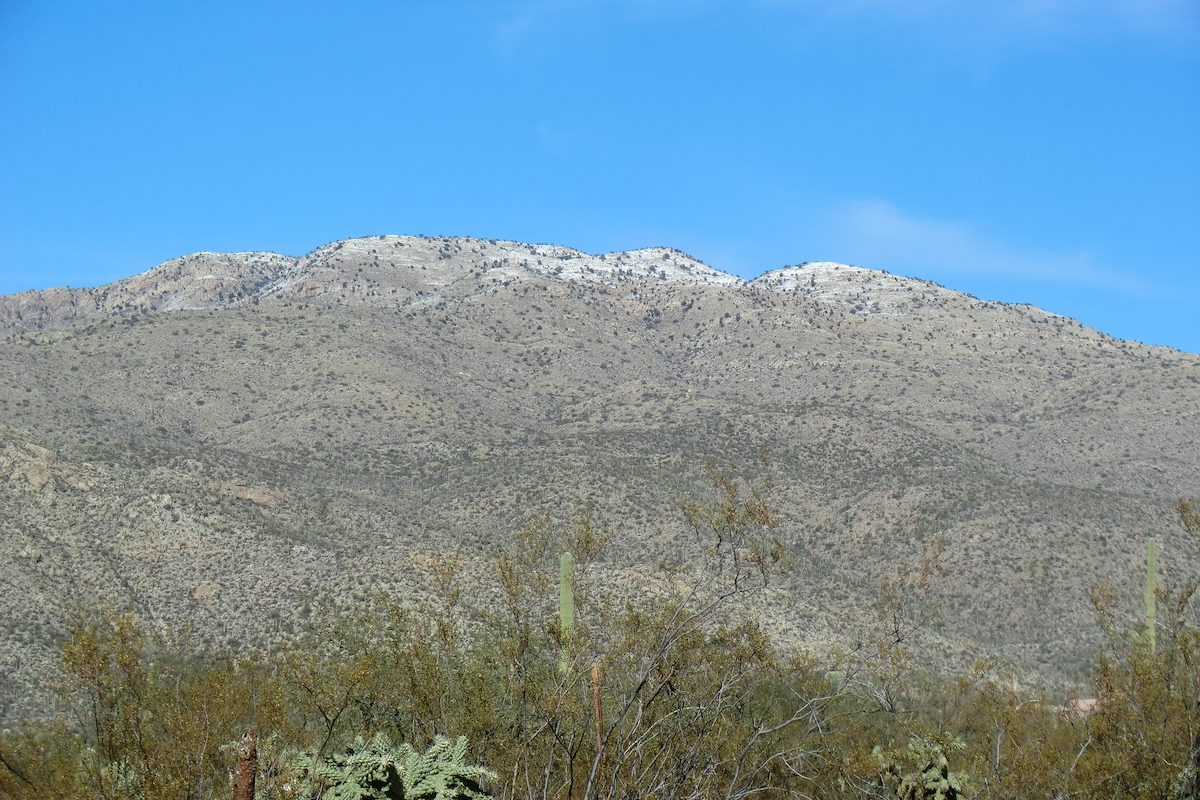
396,271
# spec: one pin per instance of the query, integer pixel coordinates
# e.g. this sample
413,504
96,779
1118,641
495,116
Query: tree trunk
247,767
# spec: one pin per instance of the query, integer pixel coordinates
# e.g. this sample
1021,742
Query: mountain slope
221,437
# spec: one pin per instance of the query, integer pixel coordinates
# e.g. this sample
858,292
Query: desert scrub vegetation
564,693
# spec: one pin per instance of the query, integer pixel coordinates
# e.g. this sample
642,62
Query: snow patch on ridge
867,291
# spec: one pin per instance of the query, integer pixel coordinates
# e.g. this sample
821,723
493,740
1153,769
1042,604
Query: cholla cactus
377,770
931,779
441,774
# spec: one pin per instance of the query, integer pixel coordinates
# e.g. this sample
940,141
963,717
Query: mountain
227,441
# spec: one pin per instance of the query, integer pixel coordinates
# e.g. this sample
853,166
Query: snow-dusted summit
866,291
396,271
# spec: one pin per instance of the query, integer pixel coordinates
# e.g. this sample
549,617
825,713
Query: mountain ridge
211,279
220,466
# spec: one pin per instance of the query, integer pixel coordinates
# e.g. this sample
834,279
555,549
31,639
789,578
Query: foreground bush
681,698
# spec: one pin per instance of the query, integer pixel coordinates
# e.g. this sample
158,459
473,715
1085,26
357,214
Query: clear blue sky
1043,151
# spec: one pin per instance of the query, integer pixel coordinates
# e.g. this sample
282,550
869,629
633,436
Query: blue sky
1042,151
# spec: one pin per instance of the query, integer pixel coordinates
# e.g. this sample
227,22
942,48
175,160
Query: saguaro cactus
1151,591
566,608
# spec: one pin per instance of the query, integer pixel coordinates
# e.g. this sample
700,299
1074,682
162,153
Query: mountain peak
397,271
866,291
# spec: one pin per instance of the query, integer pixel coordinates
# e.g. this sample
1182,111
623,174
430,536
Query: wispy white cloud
1051,16
520,21
876,233
980,35
1144,16
995,26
